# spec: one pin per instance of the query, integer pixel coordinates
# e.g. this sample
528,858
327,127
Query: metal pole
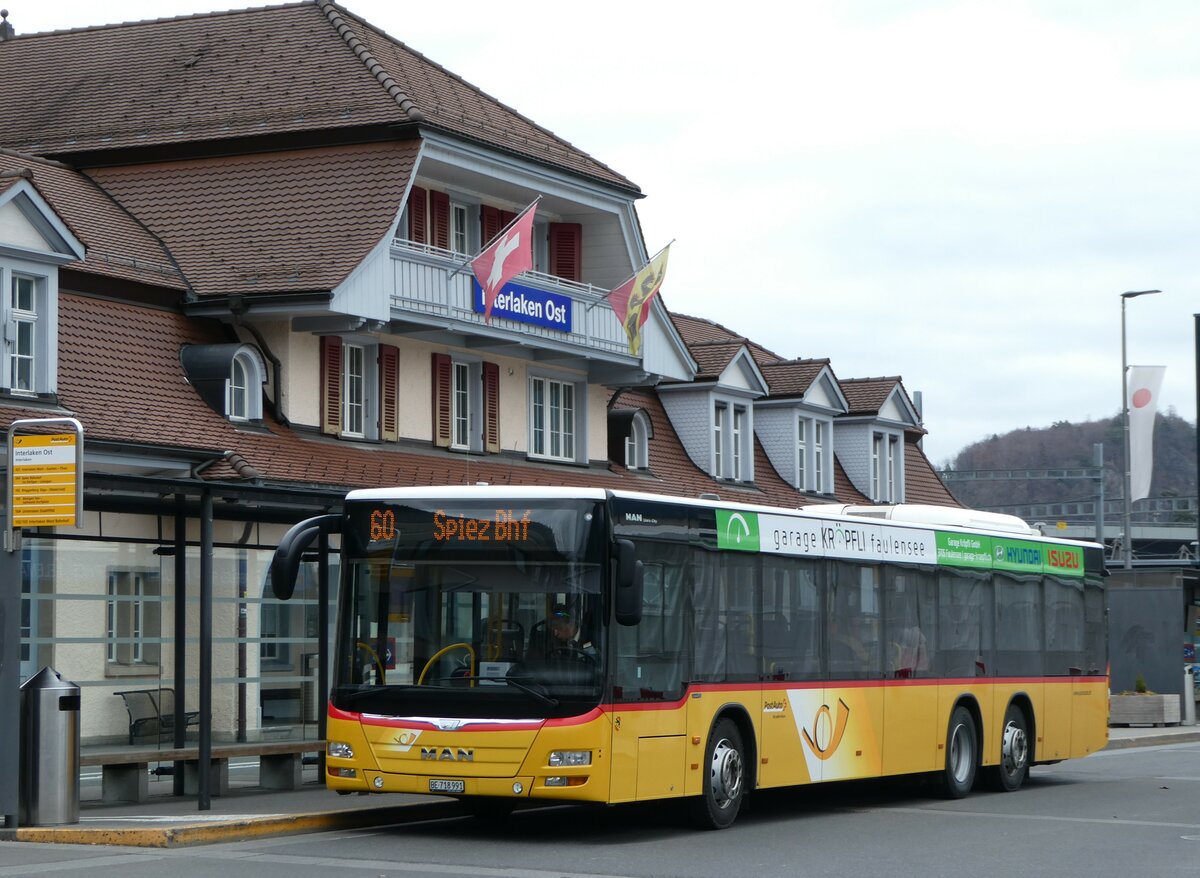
1196,317
1127,537
322,644
180,638
10,678
1098,463
206,625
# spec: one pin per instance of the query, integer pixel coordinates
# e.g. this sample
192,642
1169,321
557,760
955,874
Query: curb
234,829
1166,737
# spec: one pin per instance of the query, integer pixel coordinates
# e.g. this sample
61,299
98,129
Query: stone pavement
249,812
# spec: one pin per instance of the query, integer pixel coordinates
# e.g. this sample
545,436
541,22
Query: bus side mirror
285,563
629,584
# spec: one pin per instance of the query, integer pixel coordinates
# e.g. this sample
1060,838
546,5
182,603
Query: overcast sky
953,192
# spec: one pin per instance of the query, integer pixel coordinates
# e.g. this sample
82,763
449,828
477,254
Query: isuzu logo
445,754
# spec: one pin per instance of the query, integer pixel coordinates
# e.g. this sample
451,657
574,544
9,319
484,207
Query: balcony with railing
433,288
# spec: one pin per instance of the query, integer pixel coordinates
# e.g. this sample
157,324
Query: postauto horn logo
737,530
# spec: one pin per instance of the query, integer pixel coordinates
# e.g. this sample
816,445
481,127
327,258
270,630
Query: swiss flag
509,254
1144,383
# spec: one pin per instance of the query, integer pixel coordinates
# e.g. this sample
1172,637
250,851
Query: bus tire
1013,769
962,754
724,778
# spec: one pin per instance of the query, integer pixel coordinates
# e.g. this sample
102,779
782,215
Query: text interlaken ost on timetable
44,480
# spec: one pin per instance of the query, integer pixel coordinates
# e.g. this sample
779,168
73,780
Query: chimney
6,29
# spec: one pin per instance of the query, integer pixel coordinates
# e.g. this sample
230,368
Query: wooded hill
1067,445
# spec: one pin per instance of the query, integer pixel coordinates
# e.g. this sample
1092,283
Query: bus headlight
340,750
570,758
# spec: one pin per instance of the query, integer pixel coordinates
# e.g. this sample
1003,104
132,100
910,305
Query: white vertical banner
1144,385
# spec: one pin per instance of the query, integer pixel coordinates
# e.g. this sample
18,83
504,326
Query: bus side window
650,655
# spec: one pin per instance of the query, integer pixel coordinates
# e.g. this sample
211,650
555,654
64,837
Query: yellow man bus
501,644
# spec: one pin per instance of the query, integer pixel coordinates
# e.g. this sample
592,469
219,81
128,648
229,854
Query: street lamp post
1127,536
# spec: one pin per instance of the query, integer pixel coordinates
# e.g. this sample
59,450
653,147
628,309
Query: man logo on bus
827,730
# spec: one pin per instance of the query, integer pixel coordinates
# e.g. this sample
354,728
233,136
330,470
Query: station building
232,247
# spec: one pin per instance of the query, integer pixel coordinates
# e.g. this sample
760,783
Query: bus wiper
524,687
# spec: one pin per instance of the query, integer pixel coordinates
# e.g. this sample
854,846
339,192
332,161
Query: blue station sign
527,305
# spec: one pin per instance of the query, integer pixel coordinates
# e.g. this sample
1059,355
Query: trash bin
49,784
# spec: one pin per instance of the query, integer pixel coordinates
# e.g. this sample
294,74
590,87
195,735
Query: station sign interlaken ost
44,480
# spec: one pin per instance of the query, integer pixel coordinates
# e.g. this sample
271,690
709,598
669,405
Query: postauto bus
709,649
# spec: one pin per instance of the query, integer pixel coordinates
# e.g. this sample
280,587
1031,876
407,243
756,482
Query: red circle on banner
1141,398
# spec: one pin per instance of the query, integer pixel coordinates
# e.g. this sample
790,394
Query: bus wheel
724,780
1010,774
962,752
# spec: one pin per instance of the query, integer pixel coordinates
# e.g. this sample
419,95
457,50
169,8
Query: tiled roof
792,377
921,482
713,357
698,331
300,67
303,219
118,246
866,396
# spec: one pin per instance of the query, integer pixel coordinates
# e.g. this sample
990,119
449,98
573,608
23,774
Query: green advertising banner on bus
804,536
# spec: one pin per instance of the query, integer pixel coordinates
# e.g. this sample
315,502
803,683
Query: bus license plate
447,786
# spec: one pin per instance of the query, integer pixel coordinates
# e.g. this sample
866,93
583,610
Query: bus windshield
471,609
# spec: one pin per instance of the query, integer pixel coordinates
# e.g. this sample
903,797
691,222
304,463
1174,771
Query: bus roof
902,515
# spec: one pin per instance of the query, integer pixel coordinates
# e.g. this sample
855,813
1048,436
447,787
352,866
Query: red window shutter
389,392
491,408
566,250
442,387
418,217
331,384
489,224
439,219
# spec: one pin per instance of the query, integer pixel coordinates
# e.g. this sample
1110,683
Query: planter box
1143,710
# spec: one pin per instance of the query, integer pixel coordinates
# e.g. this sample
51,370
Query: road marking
1101,821
77,865
391,866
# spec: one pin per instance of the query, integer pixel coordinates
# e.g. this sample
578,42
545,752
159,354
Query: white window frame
885,468
802,453
738,422
460,228
129,615
733,437
541,246
22,345
243,387
556,423
637,444
720,412
354,390
821,431
460,405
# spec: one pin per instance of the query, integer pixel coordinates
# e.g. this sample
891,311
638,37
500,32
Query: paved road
1119,813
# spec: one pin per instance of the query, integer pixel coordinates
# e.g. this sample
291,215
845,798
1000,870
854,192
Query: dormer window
885,467
811,454
246,378
22,340
732,436
228,377
629,435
